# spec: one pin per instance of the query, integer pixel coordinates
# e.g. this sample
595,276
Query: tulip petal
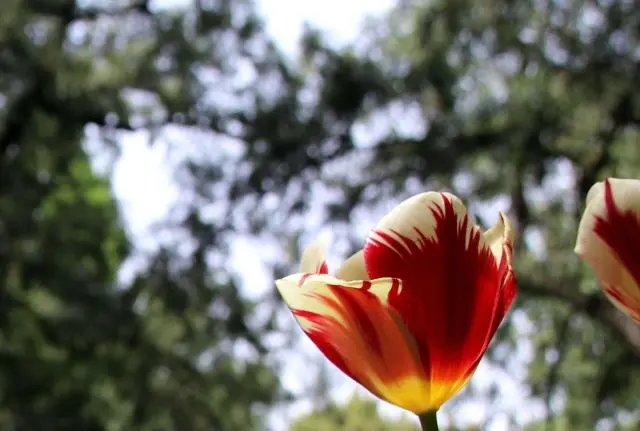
362,336
313,260
609,241
500,239
455,287
501,235
353,268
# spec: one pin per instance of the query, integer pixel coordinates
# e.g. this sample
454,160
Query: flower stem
429,421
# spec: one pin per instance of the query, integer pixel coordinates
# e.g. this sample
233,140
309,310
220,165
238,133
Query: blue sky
143,185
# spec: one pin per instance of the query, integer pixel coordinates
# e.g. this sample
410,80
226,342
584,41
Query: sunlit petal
453,279
361,335
353,268
500,239
313,259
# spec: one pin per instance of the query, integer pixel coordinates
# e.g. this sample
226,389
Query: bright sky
143,185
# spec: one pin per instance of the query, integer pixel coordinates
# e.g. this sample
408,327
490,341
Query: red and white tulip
410,315
609,241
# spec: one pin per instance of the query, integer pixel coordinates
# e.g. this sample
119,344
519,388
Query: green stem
429,421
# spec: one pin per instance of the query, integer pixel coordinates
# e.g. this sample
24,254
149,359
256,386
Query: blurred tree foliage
362,414
79,350
522,105
358,414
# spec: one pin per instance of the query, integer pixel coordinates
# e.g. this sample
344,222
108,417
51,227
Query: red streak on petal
621,232
615,293
630,306
357,307
507,296
454,294
322,268
352,303
303,279
320,334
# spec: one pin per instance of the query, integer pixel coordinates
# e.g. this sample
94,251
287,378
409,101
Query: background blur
161,162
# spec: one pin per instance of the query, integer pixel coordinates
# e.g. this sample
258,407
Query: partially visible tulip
410,315
609,241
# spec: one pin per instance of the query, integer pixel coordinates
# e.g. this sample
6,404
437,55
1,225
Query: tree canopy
357,415
80,349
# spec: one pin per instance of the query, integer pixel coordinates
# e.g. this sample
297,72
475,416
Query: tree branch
69,10
554,370
594,306
621,115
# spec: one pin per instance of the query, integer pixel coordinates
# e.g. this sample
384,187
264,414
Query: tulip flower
609,241
411,314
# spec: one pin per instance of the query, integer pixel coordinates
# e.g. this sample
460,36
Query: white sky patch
341,21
